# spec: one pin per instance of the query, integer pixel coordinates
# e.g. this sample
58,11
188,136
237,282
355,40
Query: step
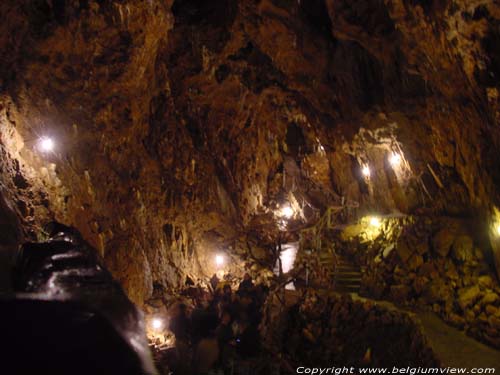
347,290
348,275
346,283
346,270
326,255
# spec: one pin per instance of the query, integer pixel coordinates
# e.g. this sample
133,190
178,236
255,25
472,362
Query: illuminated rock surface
180,127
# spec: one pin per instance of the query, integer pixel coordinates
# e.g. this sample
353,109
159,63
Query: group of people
221,331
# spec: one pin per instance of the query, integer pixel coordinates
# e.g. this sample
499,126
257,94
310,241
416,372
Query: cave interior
249,186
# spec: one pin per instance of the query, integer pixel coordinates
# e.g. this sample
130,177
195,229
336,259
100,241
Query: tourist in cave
247,283
225,339
214,283
247,343
206,352
227,294
179,325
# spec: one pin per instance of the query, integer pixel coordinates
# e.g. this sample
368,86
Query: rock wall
320,330
438,263
181,125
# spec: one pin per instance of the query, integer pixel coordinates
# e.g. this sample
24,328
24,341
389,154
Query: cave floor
452,346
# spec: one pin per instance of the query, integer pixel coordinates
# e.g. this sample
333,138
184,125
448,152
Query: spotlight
219,260
366,171
395,159
286,212
157,324
46,144
375,221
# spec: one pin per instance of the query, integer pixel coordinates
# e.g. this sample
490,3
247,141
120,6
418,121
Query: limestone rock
485,281
436,291
467,296
400,293
404,251
442,242
463,248
494,322
490,298
492,310
456,320
415,262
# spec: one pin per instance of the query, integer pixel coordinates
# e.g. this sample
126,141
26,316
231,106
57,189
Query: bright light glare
46,144
395,159
219,260
366,171
375,221
286,212
498,229
157,324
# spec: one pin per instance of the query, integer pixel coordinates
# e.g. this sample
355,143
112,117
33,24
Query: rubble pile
322,330
433,263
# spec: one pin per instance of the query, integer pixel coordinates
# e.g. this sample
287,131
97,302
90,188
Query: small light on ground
157,324
219,260
395,159
375,221
46,144
366,171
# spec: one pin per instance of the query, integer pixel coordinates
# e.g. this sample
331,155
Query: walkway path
452,346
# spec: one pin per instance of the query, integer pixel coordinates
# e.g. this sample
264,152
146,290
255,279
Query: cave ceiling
180,127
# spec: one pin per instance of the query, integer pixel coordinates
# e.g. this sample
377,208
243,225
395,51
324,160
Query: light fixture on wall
395,159
46,144
219,260
286,211
365,170
375,222
157,324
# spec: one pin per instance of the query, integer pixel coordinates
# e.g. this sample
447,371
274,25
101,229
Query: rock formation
180,126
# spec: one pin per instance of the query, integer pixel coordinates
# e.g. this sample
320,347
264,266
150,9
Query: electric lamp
375,221
366,171
395,159
46,144
286,212
219,260
157,324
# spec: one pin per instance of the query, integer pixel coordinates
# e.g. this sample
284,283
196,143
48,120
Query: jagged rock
419,284
415,262
442,242
451,273
404,251
463,248
456,320
436,291
485,281
494,322
492,310
467,296
428,269
478,253
400,293
490,298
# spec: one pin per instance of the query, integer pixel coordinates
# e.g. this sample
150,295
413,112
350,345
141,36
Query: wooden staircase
346,276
